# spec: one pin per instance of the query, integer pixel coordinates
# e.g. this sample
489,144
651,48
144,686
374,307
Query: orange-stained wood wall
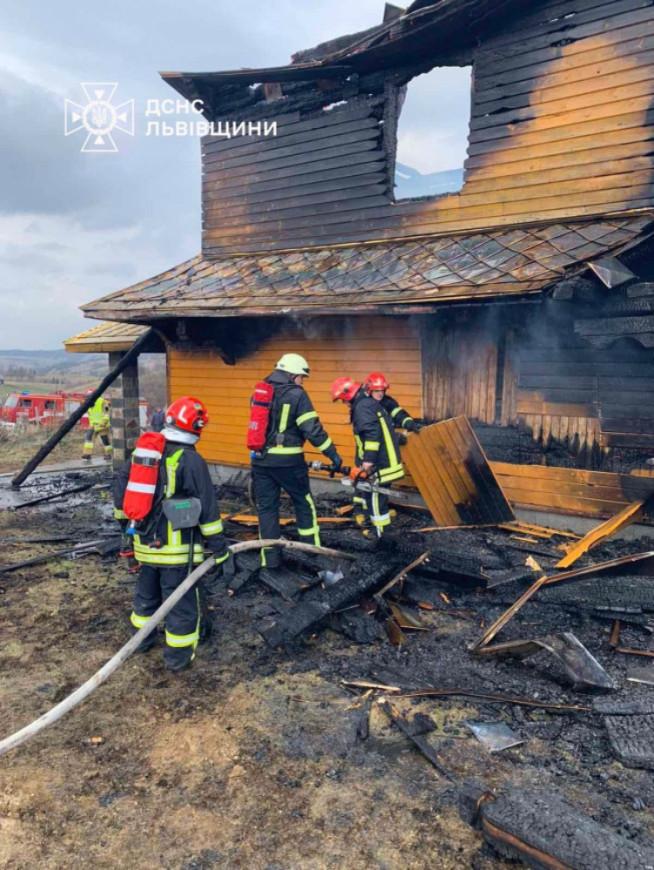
338,347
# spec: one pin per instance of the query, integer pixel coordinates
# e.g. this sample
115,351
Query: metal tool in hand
371,486
364,483
332,470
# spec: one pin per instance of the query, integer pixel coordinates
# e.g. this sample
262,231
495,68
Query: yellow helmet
293,364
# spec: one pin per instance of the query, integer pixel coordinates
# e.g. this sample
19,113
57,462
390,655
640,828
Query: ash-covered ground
252,758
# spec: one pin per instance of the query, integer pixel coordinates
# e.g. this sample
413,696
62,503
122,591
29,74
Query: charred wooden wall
561,127
533,370
333,347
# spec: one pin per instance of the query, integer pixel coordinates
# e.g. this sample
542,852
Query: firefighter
281,464
377,386
99,426
164,554
377,454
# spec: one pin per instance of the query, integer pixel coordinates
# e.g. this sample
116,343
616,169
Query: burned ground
252,758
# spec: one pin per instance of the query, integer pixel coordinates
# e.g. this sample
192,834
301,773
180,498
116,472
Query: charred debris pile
546,634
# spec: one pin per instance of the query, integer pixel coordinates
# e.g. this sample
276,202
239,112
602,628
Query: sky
75,226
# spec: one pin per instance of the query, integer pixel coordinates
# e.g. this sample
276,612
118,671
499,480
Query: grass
18,445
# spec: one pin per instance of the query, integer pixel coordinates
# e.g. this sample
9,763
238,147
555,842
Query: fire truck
40,409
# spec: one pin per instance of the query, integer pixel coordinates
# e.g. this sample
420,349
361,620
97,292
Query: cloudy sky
76,226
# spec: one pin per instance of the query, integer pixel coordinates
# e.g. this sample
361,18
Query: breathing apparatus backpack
143,476
261,405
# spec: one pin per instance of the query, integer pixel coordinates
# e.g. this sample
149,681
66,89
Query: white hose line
125,652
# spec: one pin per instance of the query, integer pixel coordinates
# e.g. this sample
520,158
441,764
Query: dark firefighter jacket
293,421
182,473
375,438
401,418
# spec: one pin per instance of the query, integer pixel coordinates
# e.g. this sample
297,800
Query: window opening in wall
432,135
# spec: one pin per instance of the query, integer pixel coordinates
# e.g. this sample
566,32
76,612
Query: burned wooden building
525,300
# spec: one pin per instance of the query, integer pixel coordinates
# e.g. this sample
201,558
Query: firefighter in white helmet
281,464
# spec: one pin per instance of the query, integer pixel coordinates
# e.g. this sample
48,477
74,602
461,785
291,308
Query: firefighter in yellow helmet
99,427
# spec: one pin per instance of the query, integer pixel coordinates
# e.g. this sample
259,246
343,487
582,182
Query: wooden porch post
125,425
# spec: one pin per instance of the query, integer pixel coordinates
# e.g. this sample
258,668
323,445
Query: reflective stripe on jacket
184,473
396,412
375,438
293,420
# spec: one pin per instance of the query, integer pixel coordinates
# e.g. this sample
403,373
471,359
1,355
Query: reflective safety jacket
183,473
293,420
396,412
99,415
375,437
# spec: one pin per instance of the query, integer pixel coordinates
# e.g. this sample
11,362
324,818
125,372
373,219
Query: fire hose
76,697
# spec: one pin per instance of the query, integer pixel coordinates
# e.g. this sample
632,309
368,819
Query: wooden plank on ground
625,517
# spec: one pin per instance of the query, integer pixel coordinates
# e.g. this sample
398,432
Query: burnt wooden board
543,830
452,474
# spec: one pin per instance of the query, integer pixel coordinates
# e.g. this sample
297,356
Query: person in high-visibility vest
99,427
377,451
164,553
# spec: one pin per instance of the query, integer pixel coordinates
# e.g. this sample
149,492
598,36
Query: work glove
357,473
414,425
334,457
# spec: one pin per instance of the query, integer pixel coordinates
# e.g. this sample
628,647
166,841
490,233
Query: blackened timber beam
79,412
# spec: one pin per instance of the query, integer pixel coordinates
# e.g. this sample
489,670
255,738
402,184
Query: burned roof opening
432,133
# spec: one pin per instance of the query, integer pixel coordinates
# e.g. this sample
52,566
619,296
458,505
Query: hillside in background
50,370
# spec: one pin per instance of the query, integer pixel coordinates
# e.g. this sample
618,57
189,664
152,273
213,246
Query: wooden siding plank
630,25
588,80
347,167
374,342
557,110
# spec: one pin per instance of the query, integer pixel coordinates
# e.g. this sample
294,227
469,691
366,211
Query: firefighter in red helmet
166,554
377,449
377,386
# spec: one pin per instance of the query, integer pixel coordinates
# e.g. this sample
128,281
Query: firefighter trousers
374,507
182,626
267,484
89,438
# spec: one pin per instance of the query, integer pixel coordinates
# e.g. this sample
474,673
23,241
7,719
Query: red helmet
376,381
345,389
187,414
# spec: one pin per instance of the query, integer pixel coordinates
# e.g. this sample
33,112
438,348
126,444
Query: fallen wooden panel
627,515
543,830
570,490
453,476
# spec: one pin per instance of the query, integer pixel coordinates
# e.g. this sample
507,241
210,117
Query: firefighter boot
178,659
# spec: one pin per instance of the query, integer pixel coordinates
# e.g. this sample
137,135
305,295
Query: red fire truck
40,409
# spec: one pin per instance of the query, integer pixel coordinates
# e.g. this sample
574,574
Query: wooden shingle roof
105,338
384,277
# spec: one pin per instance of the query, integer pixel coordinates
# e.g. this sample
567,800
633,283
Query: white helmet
293,364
